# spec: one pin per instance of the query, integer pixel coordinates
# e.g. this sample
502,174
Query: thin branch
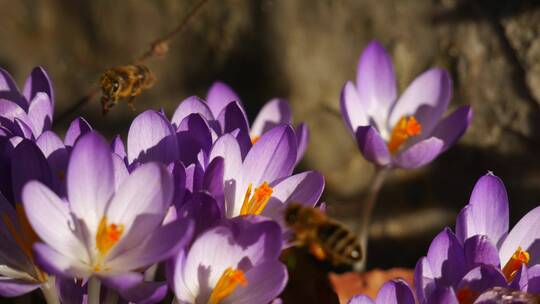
158,48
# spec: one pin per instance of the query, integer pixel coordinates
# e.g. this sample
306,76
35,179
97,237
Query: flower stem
94,290
374,189
112,297
48,288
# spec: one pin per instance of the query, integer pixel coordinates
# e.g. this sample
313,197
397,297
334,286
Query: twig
158,48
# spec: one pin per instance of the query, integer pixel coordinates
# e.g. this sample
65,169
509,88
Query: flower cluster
193,205
199,196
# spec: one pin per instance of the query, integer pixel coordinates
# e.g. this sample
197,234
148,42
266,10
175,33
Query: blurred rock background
305,50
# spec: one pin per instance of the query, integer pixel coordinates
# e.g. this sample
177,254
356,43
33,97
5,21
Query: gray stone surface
305,50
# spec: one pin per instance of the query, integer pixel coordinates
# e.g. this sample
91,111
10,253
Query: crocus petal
424,280
237,244
482,278
233,118
78,127
10,110
191,105
219,96
521,279
304,188
395,292
479,250
38,81
453,126
419,154
446,258
194,135
426,99
14,288
194,177
159,245
120,171
40,113
361,299
525,234
265,282
213,180
6,82
443,295
487,212
57,156
353,109
28,163
52,221
90,178
23,129
118,147
59,264
376,82
372,146
151,137
140,204
203,209
534,279
227,147
275,112
302,140
132,287
272,157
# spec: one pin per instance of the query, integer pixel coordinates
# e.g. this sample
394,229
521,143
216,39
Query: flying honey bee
325,238
124,82
501,295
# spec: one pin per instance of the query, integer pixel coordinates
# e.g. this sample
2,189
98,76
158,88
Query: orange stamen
107,235
405,128
520,257
255,139
227,284
255,204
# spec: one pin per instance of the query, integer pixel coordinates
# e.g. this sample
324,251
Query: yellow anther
107,235
406,127
227,284
520,257
255,204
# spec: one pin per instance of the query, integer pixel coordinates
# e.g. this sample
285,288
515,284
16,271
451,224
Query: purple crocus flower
404,132
482,254
28,114
392,292
236,261
111,225
261,183
224,113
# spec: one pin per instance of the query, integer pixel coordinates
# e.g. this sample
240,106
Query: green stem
374,189
49,291
94,290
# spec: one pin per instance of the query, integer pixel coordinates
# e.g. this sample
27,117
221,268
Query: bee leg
317,251
130,103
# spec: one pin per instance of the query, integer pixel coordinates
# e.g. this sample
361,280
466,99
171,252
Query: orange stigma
255,204
520,257
107,235
405,128
255,139
227,284
466,296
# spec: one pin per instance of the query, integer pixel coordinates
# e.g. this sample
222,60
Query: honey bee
324,237
501,295
124,82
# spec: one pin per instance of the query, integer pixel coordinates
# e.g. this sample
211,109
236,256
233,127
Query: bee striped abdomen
340,243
